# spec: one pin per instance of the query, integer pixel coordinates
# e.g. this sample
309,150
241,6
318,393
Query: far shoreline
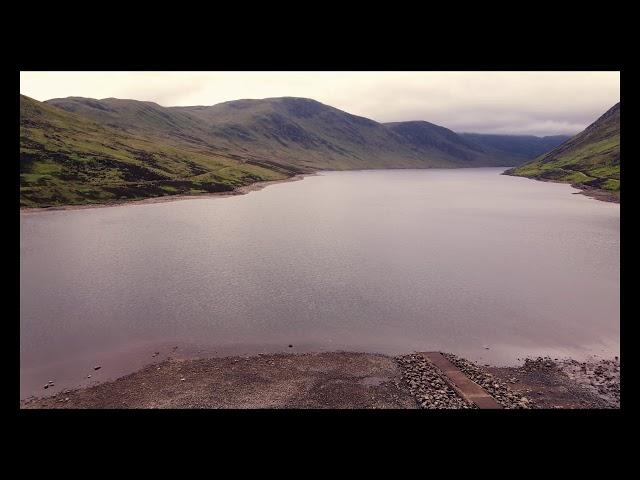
595,193
243,190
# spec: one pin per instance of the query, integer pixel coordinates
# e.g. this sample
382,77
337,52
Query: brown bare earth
324,380
343,380
602,195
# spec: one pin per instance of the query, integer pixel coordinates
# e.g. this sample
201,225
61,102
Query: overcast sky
537,103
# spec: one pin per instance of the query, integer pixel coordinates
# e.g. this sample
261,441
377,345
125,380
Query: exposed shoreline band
243,190
345,380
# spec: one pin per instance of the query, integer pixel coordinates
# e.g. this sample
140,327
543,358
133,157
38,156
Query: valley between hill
79,151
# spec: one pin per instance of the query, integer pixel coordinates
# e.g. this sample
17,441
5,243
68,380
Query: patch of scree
428,385
601,377
494,387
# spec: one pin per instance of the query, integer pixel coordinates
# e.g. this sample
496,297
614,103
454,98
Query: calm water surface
385,261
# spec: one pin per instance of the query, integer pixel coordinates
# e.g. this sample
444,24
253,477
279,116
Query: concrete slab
463,385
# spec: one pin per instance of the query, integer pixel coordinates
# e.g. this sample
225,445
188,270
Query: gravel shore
601,377
343,380
565,383
339,380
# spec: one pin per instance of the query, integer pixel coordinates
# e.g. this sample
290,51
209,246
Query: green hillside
66,158
79,150
292,131
590,160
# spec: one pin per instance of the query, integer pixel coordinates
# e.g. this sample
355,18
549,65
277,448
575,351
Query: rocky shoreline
598,194
428,385
586,190
565,383
344,380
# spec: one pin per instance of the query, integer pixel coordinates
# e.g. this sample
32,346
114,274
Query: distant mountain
424,137
290,131
590,160
307,133
79,150
521,147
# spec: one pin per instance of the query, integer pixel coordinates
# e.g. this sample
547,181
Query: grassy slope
78,150
306,132
289,131
67,159
589,160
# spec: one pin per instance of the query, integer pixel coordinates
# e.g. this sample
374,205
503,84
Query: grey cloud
538,103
